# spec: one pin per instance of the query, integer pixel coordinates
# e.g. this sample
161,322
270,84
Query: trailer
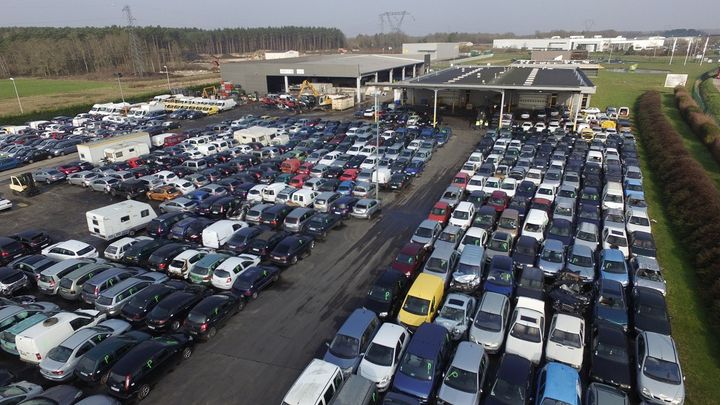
120,219
94,152
342,103
256,134
125,151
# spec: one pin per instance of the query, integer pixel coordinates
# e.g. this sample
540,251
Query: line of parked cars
539,259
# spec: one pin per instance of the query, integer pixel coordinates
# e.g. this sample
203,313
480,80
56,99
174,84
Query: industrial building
341,71
281,55
594,44
436,50
507,87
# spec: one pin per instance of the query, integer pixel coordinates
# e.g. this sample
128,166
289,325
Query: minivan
469,271
612,196
218,233
303,198
112,300
357,390
422,301
101,282
316,385
71,284
349,344
269,193
50,277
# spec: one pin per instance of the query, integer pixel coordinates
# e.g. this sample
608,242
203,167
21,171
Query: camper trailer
120,219
94,152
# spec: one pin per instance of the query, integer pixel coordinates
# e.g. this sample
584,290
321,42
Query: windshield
565,338
530,227
488,321
611,301
616,240
417,367
613,198
582,261
552,256
472,240
507,223
461,380
614,267
438,211
498,245
559,230
448,237
662,370
345,347
643,244
381,294
587,236
526,332
611,352
380,355
60,354
500,277
508,393
639,221
405,259
452,313
461,215
417,306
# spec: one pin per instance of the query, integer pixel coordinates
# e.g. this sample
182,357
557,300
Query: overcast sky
353,17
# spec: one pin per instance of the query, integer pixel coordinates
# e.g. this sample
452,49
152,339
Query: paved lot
257,356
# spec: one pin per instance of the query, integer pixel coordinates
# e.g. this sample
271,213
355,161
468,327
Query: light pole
377,146
167,75
119,75
17,95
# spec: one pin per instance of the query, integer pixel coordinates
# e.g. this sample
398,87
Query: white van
207,149
221,145
167,176
120,219
35,342
535,224
269,193
158,141
612,196
317,384
303,198
256,193
463,215
220,232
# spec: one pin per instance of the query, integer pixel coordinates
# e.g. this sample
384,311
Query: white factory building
436,50
591,44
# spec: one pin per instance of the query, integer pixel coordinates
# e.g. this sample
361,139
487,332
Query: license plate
216,212
84,373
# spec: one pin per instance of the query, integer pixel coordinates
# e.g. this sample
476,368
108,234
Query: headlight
646,392
456,331
385,379
383,314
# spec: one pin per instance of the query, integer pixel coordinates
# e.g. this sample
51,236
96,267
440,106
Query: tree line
52,52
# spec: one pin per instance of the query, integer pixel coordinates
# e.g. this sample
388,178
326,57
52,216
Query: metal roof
364,63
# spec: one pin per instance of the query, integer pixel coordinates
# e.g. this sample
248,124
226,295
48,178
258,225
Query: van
535,224
35,342
112,300
352,339
158,141
612,196
316,385
221,145
50,277
207,149
357,390
442,263
218,233
173,139
303,198
469,270
422,301
101,282
70,286
325,201
269,193
295,221
120,219
463,215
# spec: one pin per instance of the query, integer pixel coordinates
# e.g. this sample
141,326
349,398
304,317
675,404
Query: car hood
520,258
373,372
411,386
377,306
344,364
411,319
547,266
450,324
660,389
490,340
611,371
586,273
616,316
564,354
453,396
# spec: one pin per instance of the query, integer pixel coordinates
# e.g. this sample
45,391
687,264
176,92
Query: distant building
579,42
281,55
544,56
436,50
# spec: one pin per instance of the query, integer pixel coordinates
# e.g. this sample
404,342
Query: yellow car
163,193
422,301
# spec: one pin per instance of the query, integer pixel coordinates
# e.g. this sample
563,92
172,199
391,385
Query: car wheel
131,232
47,181
323,236
211,333
31,161
175,326
144,391
241,305
312,246
186,353
104,378
294,260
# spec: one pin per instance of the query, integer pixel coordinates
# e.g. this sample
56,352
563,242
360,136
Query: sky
353,17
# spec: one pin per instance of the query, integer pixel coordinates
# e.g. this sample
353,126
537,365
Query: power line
135,51
394,20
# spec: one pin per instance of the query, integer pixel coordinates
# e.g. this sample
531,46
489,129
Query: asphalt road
256,357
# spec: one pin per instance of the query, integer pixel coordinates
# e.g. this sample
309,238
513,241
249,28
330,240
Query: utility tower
394,20
135,50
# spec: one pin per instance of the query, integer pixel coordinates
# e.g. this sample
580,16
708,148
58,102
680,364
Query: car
210,314
164,193
552,257
423,363
499,244
33,240
103,184
183,263
646,273
456,314
70,249
137,308
598,393
659,376
386,294
527,329
365,208
18,392
614,267
180,204
5,204
474,236
440,212
489,325
410,259
382,356
48,175
558,384
292,248
320,224
170,313
530,283
525,252
452,196
94,366
561,230
252,281
59,394
650,311
610,304
143,365
32,266
610,356
642,244
352,340
587,234
426,233
637,220
581,261
500,277
190,229
615,239
399,181
513,381
566,340
227,272
465,377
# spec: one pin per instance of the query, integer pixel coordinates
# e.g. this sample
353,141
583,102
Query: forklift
24,185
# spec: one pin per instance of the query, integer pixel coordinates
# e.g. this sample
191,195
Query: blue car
613,266
427,132
352,339
253,280
634,189
610,303
561,229
513,381
500,276
589,196
198,195
558,384
9,163
422,364
346,187
415,167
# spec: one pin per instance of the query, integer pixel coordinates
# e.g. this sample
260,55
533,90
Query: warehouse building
594,44
341,71
436,50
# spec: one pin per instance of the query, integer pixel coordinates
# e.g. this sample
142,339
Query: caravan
116,220
125,151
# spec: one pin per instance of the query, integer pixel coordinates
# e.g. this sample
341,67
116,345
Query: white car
463,215
383,354
491,184
526,126
546,191
70,249
256,193
115,250
615,238
184,186
638,220
509,186
5,204
183,263
566,340
535,176
476,183
474,236
225,274
527,328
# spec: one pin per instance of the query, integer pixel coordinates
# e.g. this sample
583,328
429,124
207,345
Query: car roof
560,382
412,248
660,346
356,324
388,277
612,254
209,303
493,302
428,340
468,356
568,322
553,244
388,334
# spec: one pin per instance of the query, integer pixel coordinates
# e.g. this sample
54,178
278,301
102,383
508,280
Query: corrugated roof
367,63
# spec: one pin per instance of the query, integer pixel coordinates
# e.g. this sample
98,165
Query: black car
129,189
32,266
525,252
253,280
239,241
10,249
160,259
486,218
139,253
275,216
161,226
138,307
95,365
343,206
530,284
329,185
292,248
263,244
513,381
610,356
171,311
33,240
140,368
386,294
650,311
34,155
478,198
320,224
210,314
190,229
205,206
571,294
642,244
399,181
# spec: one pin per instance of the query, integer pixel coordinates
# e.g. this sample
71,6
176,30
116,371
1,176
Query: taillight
52,283
127,383
97,290
38,356
58,372
228,280
161,266
203,327
4,253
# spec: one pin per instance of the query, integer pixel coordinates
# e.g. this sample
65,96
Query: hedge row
703,125
690,197
711,97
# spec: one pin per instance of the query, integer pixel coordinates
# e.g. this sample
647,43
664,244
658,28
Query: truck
144,109
119,219
94,152
256,134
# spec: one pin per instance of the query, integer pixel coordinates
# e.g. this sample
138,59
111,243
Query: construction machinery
208,91
314,97
24,184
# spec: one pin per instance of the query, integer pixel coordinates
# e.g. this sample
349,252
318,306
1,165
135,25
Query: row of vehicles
538,258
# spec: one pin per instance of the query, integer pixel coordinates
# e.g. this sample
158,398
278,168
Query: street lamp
167,75
17,95
377,146
119,75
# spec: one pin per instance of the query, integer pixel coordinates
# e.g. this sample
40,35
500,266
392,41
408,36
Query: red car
305,168
461,180
440,212
410,259
349,174
499,200
542,204
69,168
298,180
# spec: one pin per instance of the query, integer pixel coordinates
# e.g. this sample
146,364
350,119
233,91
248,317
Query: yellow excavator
322,100
207,91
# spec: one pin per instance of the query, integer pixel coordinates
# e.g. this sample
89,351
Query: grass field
48,87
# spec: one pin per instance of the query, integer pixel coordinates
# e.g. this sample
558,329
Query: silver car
103,184
48,175
488,327
587,234
646,273
180,204
564,210
552,257
253,215
19,391
613,218
366,208
581,261
83,178
112,300
214,190
456,314
61,360
659,376
567,194
452,196
465,377
426,233
450,237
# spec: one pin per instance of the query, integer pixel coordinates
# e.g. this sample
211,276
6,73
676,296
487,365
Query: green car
7,338
202,272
